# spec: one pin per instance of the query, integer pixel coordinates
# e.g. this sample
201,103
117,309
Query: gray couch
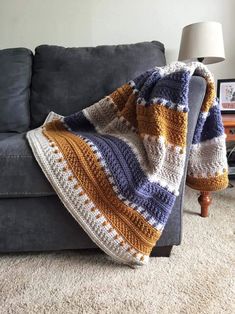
63,80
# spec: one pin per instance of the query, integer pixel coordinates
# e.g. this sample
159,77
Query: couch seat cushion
20,174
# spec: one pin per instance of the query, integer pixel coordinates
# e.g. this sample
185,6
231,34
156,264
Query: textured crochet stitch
118,164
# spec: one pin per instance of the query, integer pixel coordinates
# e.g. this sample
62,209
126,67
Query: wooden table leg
204,200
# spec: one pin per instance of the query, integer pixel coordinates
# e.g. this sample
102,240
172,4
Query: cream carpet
197,278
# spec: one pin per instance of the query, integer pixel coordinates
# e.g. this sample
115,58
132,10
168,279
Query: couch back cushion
15,80
66,80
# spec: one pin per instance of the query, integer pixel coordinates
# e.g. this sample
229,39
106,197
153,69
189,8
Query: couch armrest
197,89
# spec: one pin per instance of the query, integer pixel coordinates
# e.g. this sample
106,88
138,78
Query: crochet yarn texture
117,165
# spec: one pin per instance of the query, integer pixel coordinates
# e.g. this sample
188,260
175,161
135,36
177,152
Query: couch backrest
66,80
15,80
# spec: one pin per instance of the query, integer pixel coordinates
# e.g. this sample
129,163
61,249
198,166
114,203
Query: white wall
28,23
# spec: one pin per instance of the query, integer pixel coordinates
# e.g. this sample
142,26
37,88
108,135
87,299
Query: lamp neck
200,59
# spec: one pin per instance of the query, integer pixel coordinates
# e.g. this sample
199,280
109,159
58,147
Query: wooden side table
229,126
205,197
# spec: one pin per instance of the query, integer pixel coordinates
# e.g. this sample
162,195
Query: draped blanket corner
118,164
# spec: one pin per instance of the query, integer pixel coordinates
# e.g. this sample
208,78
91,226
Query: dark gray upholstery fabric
15,80
20,173
66,80
43,223
38,224
4,136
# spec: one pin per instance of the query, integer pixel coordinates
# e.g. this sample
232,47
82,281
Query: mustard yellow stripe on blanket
208,184
129,111
121,95
157,120
209,97
87,169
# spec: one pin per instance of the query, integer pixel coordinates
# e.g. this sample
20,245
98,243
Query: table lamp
202,42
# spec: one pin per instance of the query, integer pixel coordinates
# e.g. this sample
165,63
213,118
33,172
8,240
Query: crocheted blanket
117,165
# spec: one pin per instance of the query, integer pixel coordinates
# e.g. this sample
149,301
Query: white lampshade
202,40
